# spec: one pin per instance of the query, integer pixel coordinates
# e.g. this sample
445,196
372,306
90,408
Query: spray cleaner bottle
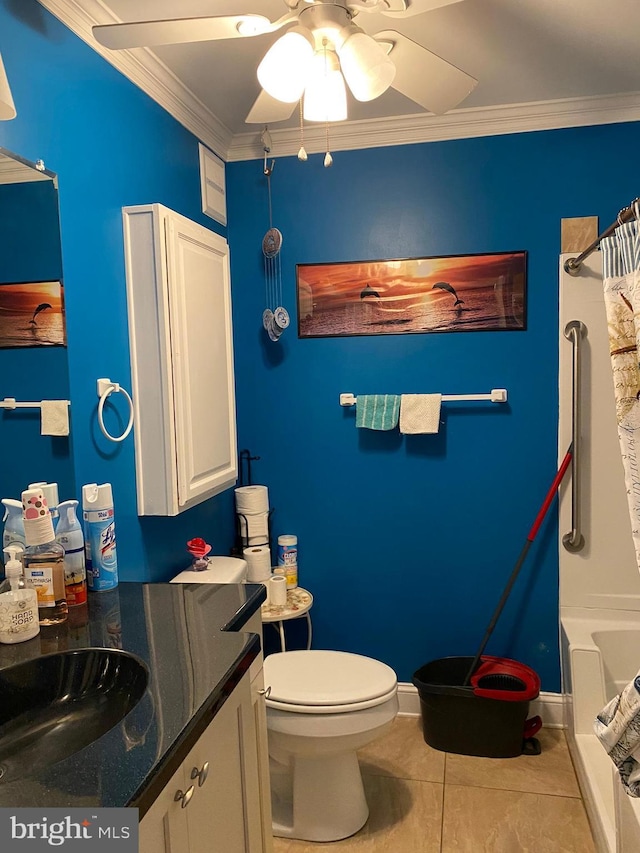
100,537
19,604
69,535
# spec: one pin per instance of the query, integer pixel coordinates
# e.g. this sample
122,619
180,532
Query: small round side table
298,604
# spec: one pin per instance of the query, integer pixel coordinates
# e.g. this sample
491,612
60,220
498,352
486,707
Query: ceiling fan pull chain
269,190
328,159
302,154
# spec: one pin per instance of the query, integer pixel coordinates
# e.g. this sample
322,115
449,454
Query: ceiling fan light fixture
325,95
284,68
366,66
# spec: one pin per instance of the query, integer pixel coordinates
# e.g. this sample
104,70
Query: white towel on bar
617,727
420,413
55,417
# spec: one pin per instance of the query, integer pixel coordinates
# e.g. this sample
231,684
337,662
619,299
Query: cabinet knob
265,691
201,775
185,796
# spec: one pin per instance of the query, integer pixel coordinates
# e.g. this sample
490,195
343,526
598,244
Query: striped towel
377,411
617,727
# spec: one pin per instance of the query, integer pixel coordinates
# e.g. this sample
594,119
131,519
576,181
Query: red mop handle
562,470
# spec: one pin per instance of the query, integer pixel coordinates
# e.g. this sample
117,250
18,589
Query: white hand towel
420,413
55,417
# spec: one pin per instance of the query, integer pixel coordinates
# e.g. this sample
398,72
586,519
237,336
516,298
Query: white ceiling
546,63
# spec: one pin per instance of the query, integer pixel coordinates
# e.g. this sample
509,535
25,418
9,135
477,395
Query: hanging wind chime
275,318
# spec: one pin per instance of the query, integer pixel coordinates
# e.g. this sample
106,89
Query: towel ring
105,388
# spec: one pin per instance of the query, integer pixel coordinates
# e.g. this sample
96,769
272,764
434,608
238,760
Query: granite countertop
187,635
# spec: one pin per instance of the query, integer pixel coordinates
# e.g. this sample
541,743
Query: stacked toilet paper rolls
252,507
258,559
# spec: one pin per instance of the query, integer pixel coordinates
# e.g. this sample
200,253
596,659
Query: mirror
33,353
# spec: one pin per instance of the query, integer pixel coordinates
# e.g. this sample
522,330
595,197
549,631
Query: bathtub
600,652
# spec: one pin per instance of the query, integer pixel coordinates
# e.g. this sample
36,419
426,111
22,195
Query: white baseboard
548,705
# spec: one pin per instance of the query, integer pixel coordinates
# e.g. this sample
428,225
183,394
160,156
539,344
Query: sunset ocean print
446,294
32,314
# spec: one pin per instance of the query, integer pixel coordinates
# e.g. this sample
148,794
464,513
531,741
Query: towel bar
497,395
10,403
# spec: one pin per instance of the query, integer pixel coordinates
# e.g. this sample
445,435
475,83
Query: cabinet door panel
201,340
217,820
164,827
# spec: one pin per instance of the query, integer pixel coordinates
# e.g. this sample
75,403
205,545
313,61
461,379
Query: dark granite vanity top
187,636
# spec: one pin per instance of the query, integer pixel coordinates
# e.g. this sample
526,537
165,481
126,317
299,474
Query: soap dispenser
18,606
69,535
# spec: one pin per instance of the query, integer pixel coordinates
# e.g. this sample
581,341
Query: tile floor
424,801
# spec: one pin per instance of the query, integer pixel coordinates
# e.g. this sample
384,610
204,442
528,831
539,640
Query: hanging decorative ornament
302,154
328,159
274,319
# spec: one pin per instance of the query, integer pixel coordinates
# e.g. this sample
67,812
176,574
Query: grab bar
573,541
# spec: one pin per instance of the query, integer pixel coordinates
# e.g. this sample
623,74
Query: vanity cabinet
217,801
180,335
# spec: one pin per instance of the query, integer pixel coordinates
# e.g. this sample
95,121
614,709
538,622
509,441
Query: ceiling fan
321,45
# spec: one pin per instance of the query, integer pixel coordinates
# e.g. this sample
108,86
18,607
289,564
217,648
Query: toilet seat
327,682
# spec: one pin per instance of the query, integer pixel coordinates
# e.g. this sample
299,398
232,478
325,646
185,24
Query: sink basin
55,705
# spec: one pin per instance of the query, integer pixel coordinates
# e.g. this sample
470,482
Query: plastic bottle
13,533
288,558
69,535
18,605
100,537
50,492
43,559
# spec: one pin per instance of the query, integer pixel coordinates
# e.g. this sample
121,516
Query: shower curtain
621,257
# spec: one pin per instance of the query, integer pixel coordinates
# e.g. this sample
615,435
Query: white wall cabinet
216,801
179,304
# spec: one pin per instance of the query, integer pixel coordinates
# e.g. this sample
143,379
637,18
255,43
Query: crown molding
458,124
146,71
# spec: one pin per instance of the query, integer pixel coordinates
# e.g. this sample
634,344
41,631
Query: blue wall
407,542
111,146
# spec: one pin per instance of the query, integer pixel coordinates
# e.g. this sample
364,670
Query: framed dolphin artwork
452,293
32,314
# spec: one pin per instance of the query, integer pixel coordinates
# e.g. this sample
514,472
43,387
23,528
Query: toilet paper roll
277,591
258,563
251,500
252,526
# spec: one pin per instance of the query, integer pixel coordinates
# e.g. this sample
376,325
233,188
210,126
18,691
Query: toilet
322,706
220,570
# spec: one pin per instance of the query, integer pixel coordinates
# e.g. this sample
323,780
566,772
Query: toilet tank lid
326,678
220,570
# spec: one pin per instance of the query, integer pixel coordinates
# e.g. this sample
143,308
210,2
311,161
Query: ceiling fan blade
421,75
414,7
181,30
267,110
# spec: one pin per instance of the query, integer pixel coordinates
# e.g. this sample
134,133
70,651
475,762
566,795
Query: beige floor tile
405,817
479,820
403,754
551,772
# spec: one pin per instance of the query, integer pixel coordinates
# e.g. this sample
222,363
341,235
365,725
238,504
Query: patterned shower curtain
621,257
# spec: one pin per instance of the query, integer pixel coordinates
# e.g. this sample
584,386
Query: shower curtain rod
572,265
